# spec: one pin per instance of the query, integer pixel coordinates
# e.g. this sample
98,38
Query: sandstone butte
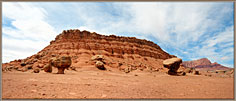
119,52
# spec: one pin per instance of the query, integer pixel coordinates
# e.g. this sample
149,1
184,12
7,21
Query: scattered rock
22,63
47,68
36,70
24,69
8,68
196,73
120,64
189,70
40,65
73,68
29,66
100,65
127,70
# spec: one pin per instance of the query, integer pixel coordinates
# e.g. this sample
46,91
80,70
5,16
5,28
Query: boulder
40,65
8,68
61,63
29,66
24,69
22,63
47,68
173,65
189,70
36,70
100,65
196,73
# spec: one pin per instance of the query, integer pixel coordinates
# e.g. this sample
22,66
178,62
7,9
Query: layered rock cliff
81,45
72,40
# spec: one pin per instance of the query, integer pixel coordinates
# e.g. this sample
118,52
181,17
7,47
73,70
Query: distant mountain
204,64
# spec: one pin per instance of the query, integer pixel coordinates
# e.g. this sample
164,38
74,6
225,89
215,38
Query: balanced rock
173,65
61,63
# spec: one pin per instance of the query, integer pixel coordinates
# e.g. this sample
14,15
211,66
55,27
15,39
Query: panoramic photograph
118,50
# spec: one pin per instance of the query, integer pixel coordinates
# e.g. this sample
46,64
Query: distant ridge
204,64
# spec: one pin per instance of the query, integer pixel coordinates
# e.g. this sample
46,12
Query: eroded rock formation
173,64
82,45
70,41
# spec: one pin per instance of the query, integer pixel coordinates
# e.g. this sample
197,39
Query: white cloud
22,11
30,34
174,24
212,47
223,37
19,49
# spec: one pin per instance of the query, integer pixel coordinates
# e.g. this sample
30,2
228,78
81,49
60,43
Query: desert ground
91,83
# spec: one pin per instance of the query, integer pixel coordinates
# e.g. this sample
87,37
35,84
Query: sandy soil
90,83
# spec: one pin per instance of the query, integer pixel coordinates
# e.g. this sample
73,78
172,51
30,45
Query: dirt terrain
92,83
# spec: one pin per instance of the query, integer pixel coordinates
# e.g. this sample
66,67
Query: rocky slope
204,64
120,52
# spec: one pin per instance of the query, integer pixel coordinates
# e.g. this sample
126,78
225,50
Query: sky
189,30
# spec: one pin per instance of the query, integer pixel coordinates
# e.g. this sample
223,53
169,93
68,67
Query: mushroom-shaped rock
61,63
100,65
173,65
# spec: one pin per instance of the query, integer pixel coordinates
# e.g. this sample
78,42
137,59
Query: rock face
82,45
205,64
72,40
